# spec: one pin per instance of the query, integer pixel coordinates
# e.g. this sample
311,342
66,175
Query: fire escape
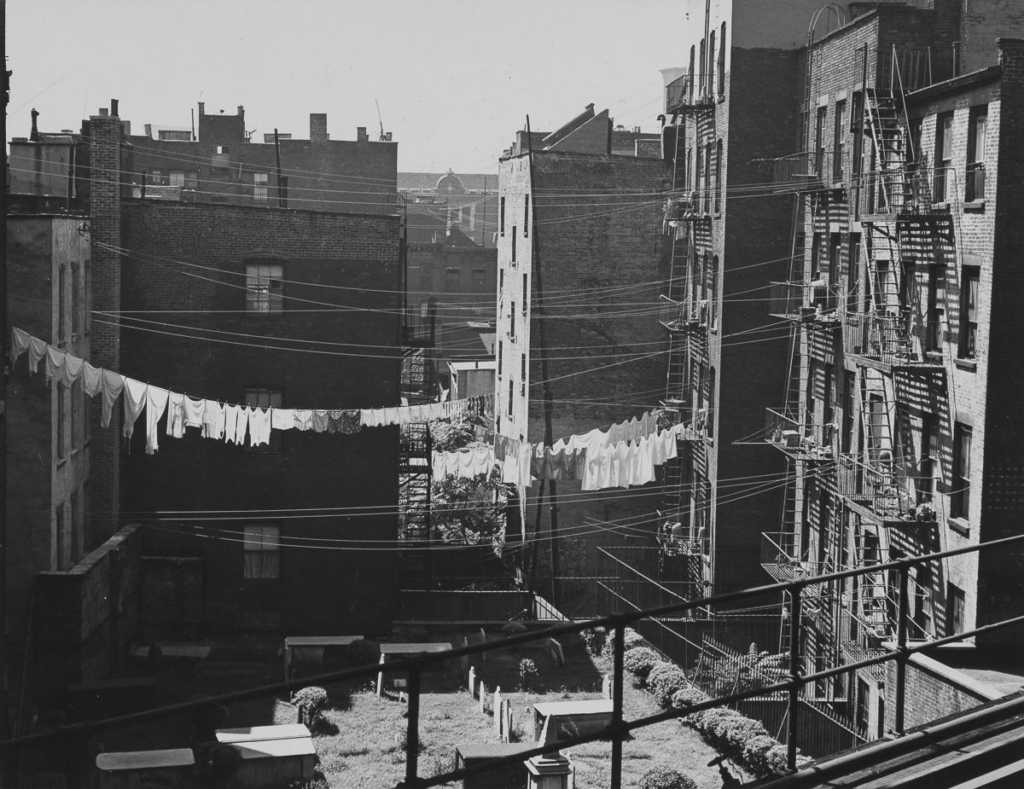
685,314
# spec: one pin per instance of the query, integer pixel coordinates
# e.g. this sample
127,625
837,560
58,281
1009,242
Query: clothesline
216,419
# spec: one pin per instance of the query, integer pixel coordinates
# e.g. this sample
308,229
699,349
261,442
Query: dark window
62,305
77,414
819,142
693,74
479,279
835,253
853,272
922,602
63,543
452,279
856,119
863,699
511,394
961,494
936,307
713,293
75,298
977,132
501,280
522,367
62,431
956,605
709,152
261,552
709,83
943,157
839,142
264,291
968,345
526,294
828,401
512,321
526,217
689,168
501,217
849,391
697,176
721,62
703,66
718,176
931,452
513,243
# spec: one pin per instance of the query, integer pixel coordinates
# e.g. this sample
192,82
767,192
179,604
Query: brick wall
328,260
933,690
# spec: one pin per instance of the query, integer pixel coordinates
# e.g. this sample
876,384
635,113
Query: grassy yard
368,749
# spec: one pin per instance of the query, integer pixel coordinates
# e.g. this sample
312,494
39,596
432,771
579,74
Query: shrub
755,754
311,701
687,697
776,760
665,683
632,639
638,661
594,640
737,732
714,722
528,673
665,778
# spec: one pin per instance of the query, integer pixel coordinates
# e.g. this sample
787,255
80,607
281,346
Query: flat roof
274,749
284,731
115,761
413,648
321,641
588,706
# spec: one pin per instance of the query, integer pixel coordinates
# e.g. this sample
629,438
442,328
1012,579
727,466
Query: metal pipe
901,652
617,677
794,674
412,739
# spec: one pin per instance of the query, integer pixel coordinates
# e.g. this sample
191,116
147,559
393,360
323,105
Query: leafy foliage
466,512
664,681
665,778
639,661
528,673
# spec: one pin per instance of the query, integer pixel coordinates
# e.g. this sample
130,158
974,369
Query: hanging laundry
259,426
36,352
321,419
19,343
113,385
213,419
231,419
54,363
194,410
282,418
242,424
344,421
175,414
134,402
303,419
156,404
92,379
72,369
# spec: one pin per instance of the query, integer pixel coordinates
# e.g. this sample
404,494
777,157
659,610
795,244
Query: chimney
113,108
202,108
241,112
35,128
361,135
318,128
104,112
149,130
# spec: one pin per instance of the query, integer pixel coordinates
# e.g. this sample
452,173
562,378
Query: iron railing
686,93
685,315
799,440
619,729
884,486
817,300
887,339
810,170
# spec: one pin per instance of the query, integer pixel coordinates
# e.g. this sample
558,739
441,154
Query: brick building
899,429
579,248
222,294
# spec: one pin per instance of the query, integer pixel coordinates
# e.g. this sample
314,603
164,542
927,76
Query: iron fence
618,730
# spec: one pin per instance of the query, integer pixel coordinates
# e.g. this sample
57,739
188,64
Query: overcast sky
454,78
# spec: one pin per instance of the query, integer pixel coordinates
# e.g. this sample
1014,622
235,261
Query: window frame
967,340
838,140
974,172
943,156
261,295
960,495
271,546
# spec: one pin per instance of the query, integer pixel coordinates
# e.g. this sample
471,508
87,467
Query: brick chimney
105,135
318,128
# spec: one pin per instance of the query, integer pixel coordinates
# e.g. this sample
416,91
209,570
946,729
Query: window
968,340
713,293
710,81
863,700
176,178
513,243
452,279
936,307
77,520
976,133
839,141
943,157
819,142
62,432
501,217
501,280
526,218
849,390
835,252
479,276
718,177
426,278
77,407
961,494
501,347
709,152
696,178
512,321
259,187
222,149
522,367
856,120
721,62
703,66
853,272
62,305
261,552
61,543
76,305
263,287
692,72
689,168
931,452
526,294
511,394
956,604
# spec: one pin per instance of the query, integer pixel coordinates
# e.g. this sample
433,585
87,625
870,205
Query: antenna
380,120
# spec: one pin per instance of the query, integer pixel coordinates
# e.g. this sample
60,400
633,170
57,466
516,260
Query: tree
470,511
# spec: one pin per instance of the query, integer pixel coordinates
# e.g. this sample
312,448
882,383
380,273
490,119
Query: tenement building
900,428
577,341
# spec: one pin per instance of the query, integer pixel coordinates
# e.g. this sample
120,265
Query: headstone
483,694
471,681
496,710
380,679
507,718
606,686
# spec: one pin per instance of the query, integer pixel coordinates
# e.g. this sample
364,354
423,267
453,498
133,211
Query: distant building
437,203
579,258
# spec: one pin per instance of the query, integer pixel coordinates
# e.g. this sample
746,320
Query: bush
638,661
736,733
714,722
528,673
665,683
755,754
664,778
594,639
632,639
312,701
687,697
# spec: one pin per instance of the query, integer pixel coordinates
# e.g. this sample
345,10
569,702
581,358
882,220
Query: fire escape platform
980,747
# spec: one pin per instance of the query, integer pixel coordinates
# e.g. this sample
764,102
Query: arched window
718,176
721,62
701,66
710,82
